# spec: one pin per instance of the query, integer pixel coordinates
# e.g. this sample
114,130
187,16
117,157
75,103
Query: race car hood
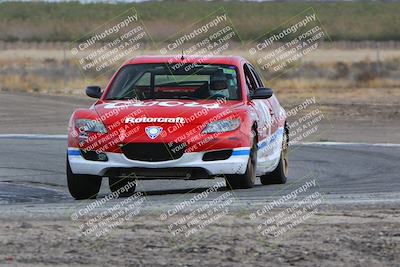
165,111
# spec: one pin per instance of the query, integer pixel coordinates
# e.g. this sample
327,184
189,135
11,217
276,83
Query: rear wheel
82,186
125,187
279,175
247,180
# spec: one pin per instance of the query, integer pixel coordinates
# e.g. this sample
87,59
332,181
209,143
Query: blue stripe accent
74,153
270,139
263,144
241,152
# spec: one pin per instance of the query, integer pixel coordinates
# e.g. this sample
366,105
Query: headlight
93,126
222,126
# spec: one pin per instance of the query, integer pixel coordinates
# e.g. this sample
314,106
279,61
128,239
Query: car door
273,109
263,112
270,148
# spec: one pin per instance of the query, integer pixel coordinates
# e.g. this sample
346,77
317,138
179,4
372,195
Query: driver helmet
219,85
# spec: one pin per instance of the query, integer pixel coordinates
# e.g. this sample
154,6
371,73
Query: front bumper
118,163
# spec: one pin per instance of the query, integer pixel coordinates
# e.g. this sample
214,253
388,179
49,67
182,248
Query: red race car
178,118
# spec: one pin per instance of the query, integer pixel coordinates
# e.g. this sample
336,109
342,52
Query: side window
250,80
257,77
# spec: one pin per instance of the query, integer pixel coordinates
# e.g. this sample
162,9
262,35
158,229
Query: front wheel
82,186
247,180
279,175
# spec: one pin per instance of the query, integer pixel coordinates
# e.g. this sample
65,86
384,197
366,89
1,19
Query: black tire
82,186
246,180
117,183
279,175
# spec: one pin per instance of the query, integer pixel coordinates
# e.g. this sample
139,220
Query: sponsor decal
161,120
161,104
153,131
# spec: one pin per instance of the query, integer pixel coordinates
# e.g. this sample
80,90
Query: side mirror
93,91
262,93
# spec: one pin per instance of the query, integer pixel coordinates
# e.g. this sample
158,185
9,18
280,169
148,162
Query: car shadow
181,191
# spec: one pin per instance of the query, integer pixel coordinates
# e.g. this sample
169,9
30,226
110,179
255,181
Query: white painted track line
345,144
33,136
64,136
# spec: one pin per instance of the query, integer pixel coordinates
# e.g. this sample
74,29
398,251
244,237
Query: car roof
229,60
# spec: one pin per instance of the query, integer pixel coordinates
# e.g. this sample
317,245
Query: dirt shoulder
364,115
334,236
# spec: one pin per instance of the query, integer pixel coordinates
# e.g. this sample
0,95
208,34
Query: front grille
153,151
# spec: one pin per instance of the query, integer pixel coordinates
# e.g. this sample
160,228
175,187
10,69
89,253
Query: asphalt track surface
32,171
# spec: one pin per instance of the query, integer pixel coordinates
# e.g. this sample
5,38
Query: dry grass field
343,20
50,68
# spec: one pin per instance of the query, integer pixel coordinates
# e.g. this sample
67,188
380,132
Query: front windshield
163,81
